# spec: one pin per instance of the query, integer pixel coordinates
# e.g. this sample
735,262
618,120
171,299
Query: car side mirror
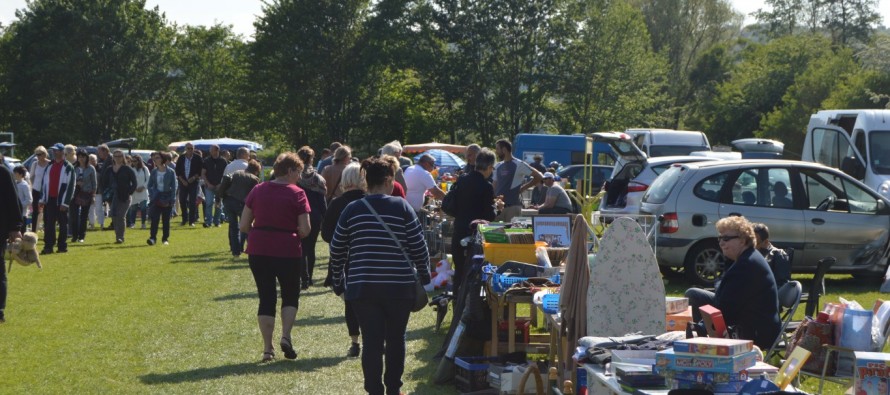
853,167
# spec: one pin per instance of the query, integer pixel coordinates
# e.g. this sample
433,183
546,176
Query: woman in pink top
275,218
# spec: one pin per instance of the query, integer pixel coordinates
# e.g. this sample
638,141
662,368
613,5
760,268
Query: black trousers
3,284
35,209
308,246
188,202
79,215
157,213
52,215
383,323
266,270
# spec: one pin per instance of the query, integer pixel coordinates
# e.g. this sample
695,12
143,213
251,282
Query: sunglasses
727,238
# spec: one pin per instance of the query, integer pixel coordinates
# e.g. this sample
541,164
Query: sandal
288,348
268,356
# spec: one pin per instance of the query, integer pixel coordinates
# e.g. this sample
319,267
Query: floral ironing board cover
626,292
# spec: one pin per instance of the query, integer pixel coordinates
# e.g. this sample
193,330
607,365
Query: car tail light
669,223
634,186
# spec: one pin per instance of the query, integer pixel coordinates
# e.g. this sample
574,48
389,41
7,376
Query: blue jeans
383,323
131,213
236,237
211,215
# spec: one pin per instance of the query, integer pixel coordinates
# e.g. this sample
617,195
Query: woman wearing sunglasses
747,294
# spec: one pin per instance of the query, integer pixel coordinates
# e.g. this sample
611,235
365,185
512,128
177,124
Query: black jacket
335,208
748,298
194,170
11,209
475,200
124,181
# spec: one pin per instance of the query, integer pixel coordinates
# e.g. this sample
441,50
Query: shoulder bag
449,202
420,297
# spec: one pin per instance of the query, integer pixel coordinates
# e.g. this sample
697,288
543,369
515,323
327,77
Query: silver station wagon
816,210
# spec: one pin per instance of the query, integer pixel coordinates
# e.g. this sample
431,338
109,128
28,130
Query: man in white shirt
420,180
240,163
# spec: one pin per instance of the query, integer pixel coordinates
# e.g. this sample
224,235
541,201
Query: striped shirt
376,264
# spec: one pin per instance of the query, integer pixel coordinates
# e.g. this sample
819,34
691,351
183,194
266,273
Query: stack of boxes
715,364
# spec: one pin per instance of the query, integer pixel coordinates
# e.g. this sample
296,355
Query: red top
55,177
275,210
398,190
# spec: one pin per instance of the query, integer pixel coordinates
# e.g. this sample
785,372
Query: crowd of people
370,212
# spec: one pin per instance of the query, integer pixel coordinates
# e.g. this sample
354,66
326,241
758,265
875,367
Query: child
23,190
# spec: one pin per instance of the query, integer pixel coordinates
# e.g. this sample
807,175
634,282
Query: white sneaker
166,243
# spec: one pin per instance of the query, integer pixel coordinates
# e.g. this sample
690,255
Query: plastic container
497,254
550,303
471,373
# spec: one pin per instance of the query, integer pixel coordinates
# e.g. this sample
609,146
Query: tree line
367,72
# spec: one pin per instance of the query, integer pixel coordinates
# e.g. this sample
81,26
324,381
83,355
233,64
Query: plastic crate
501,283
550,303
497,254
471,373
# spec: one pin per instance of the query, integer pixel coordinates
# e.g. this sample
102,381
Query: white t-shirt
235,165
37,171
159,180
419,181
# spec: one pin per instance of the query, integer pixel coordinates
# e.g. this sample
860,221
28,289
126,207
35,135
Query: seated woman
747,295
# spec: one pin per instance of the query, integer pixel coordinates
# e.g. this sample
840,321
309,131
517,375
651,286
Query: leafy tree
850,20
611,78
784,16
682,30
758,84
209,67
788,120
305,76
496,61
80,71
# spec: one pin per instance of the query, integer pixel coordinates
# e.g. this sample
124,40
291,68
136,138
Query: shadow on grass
240,369
207,257
237,296
232,267
316,320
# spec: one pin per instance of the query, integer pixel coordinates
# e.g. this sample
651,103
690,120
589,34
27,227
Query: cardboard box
677,322
713,319
872,373
667,359
637,357
675,305
713,346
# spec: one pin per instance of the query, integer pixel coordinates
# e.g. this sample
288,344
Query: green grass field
134,318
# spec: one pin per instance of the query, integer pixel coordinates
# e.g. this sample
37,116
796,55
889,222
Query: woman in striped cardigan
380,280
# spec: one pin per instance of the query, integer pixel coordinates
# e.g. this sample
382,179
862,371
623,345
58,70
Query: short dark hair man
509,179
188,171
777,258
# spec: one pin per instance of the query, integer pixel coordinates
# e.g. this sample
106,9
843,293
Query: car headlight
884,189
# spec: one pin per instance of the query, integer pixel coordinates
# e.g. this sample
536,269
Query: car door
624,147
751,197
843,219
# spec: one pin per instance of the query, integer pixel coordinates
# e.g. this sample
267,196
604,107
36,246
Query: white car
633,174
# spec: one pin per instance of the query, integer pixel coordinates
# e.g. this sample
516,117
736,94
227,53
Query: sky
242,13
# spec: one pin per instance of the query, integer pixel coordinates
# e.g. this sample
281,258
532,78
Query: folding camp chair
789,299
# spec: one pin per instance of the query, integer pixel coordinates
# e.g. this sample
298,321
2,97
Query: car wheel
671,271
704,263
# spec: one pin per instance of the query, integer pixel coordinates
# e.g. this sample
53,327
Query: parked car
633,174
574,176
816,210
125,144
669,142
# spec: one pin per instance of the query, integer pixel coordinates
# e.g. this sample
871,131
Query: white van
855,141
668,142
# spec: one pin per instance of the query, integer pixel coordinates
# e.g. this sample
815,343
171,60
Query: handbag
83,199
163,200
449,202
420,296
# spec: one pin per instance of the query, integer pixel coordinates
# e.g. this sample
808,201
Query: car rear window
661,188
